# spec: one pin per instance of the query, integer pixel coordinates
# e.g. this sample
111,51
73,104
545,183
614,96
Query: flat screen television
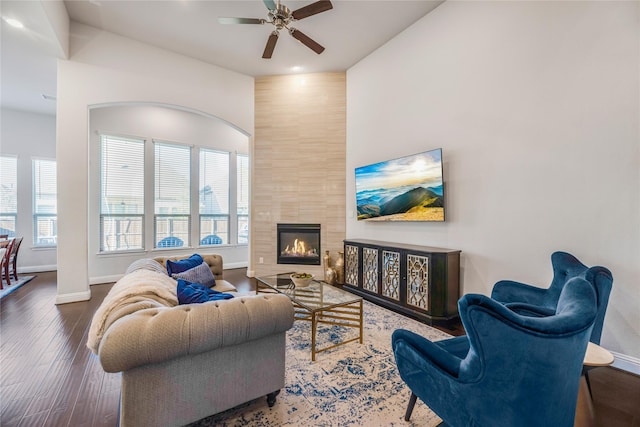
404,189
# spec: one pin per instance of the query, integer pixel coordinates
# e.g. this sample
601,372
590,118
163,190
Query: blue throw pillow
201,274
181,265
195,293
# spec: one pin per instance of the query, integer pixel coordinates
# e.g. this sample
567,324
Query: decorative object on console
418,281
330,275
326,259
329,272
406,189
340,268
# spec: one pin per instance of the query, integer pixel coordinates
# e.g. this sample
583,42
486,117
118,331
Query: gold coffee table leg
361,324
314,327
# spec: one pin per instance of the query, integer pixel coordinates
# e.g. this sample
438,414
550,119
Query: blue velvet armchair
523,297
509,370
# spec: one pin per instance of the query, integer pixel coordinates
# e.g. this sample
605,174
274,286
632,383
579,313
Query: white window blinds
8,194
44,202
121,193
172,194
214,197
214,182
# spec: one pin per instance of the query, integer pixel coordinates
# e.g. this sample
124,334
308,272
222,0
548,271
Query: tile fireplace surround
298,164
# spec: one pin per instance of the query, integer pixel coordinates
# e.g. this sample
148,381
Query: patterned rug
351,385
14,285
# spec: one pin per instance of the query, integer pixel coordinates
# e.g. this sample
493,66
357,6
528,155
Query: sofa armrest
159,334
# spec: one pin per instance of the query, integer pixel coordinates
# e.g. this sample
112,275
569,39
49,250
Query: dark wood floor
48,377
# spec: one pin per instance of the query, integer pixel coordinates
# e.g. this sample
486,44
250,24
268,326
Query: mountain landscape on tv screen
402,204
403,189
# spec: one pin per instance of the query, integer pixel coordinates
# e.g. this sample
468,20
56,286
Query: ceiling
349,32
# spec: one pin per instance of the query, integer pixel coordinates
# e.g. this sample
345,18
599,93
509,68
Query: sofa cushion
194,293
200,274
178,266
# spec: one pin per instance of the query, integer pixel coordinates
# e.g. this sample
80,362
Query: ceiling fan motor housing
281,16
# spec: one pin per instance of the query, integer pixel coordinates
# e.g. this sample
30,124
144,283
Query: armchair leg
412,403
271,398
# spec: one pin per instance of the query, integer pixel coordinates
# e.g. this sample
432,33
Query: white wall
536,108
105,68
28,136
168,125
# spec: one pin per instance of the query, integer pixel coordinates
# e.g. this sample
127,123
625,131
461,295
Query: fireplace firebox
299,244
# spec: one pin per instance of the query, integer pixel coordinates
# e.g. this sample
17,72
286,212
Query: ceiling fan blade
241,20
312,9
271,5
305,40
271,44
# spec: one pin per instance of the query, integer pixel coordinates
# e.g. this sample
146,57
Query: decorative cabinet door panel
351,265
418,281
391,274
370,269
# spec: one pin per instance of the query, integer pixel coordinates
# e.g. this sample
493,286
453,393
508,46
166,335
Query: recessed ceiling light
14,22
296,68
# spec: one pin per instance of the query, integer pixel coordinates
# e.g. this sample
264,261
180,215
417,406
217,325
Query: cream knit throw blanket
135,291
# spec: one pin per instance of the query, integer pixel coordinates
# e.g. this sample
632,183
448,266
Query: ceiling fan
281,17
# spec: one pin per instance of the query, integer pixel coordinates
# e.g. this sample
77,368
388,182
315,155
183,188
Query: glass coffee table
318,303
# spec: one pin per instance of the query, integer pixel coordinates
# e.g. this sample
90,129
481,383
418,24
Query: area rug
351,385
6,290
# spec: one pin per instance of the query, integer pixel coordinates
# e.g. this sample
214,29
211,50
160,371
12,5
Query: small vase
339,266
326,259
330,275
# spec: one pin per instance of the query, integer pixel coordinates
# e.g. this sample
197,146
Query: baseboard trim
230,265
626,363
251,273
37,268
98,280
73,297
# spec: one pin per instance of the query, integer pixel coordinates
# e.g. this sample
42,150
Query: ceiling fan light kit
281,17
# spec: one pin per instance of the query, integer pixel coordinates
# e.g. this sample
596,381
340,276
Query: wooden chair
4,263
13,257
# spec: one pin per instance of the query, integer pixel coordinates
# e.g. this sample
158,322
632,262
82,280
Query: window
121,194
45,219
189,191
242,194
8,194
214,197
172,195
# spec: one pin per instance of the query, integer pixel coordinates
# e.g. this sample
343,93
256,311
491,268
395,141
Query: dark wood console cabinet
418,281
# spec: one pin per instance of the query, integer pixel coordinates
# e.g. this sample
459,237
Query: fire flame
299,249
